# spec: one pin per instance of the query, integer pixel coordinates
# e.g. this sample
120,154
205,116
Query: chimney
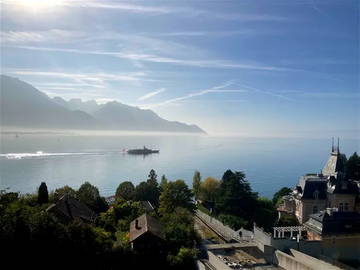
137,224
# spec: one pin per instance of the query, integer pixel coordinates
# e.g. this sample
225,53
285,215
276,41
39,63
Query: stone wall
300,261
216,262
219,227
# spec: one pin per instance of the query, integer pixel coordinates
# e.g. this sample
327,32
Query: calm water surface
268,163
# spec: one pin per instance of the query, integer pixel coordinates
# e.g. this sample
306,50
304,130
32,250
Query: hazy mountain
121,116
22,105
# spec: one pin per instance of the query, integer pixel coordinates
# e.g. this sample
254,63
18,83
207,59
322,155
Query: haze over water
269,163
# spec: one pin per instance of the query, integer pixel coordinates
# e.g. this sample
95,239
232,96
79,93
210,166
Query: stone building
338,231
328,189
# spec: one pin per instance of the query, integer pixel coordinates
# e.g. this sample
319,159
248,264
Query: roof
335,164
147,205
334,222
143,224
343,187
71,208
312,186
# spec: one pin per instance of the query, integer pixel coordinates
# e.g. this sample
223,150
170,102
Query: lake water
268,163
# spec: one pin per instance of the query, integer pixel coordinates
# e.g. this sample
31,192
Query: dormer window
316,194
341,207
346,206
343,185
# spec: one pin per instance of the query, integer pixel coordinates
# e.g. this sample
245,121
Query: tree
277,198
209,188
179,228
265,214
90,195
184,259
235,196
148,191
125,190
196,184
65,190
353,167
163,182
176,194
43,194
152,177
234,222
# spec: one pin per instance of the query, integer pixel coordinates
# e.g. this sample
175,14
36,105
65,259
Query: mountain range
24,106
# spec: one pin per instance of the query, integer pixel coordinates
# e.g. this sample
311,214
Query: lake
269,163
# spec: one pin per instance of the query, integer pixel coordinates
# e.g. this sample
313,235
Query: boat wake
41,154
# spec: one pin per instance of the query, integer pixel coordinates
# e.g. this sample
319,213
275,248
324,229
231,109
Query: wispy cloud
151,94
206,33
215,89
266,92
51,35
162,59
136,8
129,7
85,77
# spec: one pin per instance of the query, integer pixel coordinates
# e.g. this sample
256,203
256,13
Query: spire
338,146
332,144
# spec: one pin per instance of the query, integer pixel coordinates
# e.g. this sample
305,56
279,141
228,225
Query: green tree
125,190
232,221
353,167
43,194
184,259
147,192
90,195
235,196
196,184
65,190
118,217
152,177
277,198
179,228
265,214
208,189
176,194
163,182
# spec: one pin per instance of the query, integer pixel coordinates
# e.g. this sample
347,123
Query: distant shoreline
82,132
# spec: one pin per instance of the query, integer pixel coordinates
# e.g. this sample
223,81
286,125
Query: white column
291,232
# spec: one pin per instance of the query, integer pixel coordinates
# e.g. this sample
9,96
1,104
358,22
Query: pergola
279,232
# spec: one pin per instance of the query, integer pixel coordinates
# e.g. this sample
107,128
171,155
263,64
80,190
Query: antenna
332,144
338,146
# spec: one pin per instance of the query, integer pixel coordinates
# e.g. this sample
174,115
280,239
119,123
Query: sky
245,67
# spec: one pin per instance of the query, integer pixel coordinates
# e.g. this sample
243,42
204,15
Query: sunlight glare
36,6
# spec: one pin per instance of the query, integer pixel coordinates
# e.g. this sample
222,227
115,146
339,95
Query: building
328,189
146,234
67,209
332,223
339,233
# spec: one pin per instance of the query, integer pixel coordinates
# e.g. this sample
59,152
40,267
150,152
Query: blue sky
254,68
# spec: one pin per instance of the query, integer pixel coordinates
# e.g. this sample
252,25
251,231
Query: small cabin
146,234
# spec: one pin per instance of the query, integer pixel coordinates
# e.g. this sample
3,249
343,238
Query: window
315,209
341,207
346,207
316,194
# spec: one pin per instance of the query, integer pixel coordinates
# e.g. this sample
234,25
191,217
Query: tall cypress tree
43,194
